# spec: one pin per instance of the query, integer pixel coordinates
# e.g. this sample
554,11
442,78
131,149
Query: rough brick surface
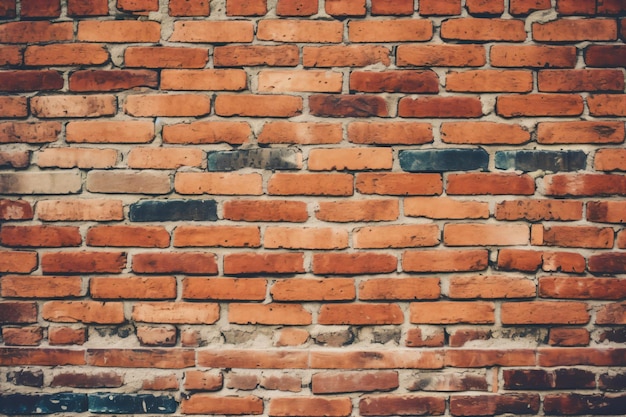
312,207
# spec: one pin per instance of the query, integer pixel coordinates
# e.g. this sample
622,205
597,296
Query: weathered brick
176,313
494,404
112,80
314,406
242,289
210,404
490,183
30,80
15,210
92,8
533,56
525,7
69,336
573,236
400,236
580,132
539,105
16,159
82,262
544,312
441,160
353,263
422,288
353,381
311,184
131,403
146,182
452,312
348,106
394,81
12,404
313,290
165,57
485,7
26,132
138,6
353,211
305,238
40,236
80,210
84,158
83,311
235,133
573,403
203,79
554,161
189,7
490,81
396,133
583,185
353,159
445,208
269,314
607,104
266,158
492,286
36,32
392,7
73,106
399,183
263,263
536,210
98,131
296,7
164,158
360,314
445,261
218,183
580,80
401,405
128,236
581,288
173,210
42,182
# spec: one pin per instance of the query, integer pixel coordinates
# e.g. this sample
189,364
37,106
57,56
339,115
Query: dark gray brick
108,403
261,158
439,160
35,404
553,161
173,210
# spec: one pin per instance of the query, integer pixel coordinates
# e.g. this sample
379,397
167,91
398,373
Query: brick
490,183
450,382
353,263
491,286
465,405
444,261
441,55
353,381
13,106
580,356
168,105
610,160
612,382
605,56
392,7
400,236
131,403
235,133
580,80
18,312
519,260
353,159
525,7
259,158
569,404
42,182
203,79
607,105
417,338
80,210
570,30
298,80
344,56
484,133
118,31
176,312
83,311
8,9
360,314
98,131
128,182
84,158
440,107
583,185
614,313
439,7
445,208
218,183
141,358
401,405
305,238
164,158
348,106
376,359
328,289
223,236
263,263
112,80
40,236
268,314
296,7
24,132
536,312
573,236
580,132
422,288
73,106
394,81
355,211
537,210
173,210
300,30
396,133
17,159
141,288
68,336
165,57
490,81
474,358
582,288
36,32
288,337
192,263
533,56
258,106
310,406
606,211
18,262
212,32
399,183
563,261
82,262
138,6
128,236
203,381
10,55
43,403
248,289
440,160
15,210
30,80
271,211
83,380
66,54
452,312
569,7
539,105
463,336
485,7
483,30
342,8
393,30
253,359
300,133
211,404
92,8
610,7
553,161
253,55
311,184
246,8
189,8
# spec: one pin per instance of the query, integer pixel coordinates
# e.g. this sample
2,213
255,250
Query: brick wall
303,208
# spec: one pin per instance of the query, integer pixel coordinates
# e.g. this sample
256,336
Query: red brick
462,336
204,79
218,183
348,106
91,8
83,262
440,107
525,7
445,208
296,7
203,381
328,289
519,260
490,183
422,288
582,288
223,236
576,7
614,313
490,81
540,105
80,210
605,56
485,7
581,356
405,404
441,55
353,263
491,286
8,9
352,211
478,234
569,337
41,287
544,312
376,359
235,133
583,185
176,312
17,312
580,132
610,160
573,236
300,30
40,236
24,132
70,336
197,31
418,338
15,210
22,336
353,159
165,57
14,159
484,133
404,81
444,260
128,236
394,30
439,7
118,31
581,80
161,382
396,133
268,314
13,106
310,406
249,289
141,358
263,263
169,105
344,56
42,357
246,7
607,104
494,404
611,7
138,6
36,32
268,211
30,80
392,7
345,8
563,262
253,55
575,30
111,80
73,106
288,337
396,236
154,288
83,311
606,211
164,158
305,238
253,358
275,81
474,358
74,54
353,381
533,56
360,314
483,30
257,105
452,312
399,184
211,404
300,133
535,210
170,263
311,184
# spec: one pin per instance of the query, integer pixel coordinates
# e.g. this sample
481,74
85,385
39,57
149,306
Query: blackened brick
262,158
131,404
613,382
553,161
26,378
573,378
173,210
19,404
438,160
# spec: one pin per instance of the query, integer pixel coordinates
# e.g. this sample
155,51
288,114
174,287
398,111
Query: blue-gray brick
440,160
553,161
261,158
108,403
35,404
173,210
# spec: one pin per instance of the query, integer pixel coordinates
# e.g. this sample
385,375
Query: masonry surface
312,208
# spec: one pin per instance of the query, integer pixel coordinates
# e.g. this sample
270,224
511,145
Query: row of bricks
337,8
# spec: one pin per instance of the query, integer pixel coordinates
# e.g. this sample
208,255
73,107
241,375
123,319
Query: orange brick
246,7
607,105
354,263
263,263
13,106
14,159
268,211
327,289
207,79
568,337
141,288
35,32
484,133
281,407
491,286
525,7
297,80
138,5
196,31
41,287
606,211
288,337
67,336
176,312
164,158
109,132
171,105
128,236
218,183
40,236
445,208
305,238
268,314
296,7
74,106
311,184
376,359
490,81
355,211
536,210
399,184
353,159
475,358
253,55
332,382
242,289
253,358
485,7
191,263
397,133
490,183
477,234
118,31
533,56
452,312
580,132
395,81
235,133
474,29
203,381
344,8
128,182
614,313
390,289
300,133
296,30
396,236
568,30
544,312
77,157
441,55
10,55
18,312
83,262
258,106
211,404
83,311
165,57
554,81
360,314
17,132
582,288
80,210
223,236
610,160
345,56
440,107
440,7
396,30
444,260
573,236
541,105
66,54
392,7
